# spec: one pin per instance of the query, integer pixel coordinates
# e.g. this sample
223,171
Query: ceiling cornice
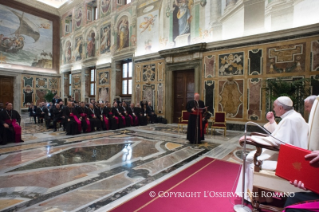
40,6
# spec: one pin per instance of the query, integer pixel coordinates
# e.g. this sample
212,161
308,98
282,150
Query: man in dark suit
40,112
33,112
56,100
57,116
151,113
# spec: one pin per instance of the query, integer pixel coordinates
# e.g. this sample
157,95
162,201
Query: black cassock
112,121
10,134
194,134
83,111
124,112
142,120
71,126
95,120
117,112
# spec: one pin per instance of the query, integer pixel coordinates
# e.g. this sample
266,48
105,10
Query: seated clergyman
10,125
292,129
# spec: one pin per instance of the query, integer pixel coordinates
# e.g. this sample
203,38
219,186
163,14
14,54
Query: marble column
62,86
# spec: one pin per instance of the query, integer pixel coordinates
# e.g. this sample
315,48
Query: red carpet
207,175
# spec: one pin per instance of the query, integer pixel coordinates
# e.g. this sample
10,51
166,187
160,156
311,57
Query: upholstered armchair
183,120
219,122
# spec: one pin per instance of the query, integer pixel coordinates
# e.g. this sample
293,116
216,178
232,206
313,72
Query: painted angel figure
148,23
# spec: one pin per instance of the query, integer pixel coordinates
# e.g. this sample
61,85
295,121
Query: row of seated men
82,117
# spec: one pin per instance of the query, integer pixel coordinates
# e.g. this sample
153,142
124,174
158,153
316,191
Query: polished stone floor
97,171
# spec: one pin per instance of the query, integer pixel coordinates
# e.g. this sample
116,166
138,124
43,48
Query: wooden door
184,88
6,90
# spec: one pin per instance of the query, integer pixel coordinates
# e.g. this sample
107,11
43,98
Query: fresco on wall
105,39
286,59
90,44
25,39
104,94
67,52
182,20
231,64
103,78
78,49
105,7
315,55
123,33
78,16
147,32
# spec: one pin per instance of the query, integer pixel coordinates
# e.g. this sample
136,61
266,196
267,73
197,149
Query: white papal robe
292,129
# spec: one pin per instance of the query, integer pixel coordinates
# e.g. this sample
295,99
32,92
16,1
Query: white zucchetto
285,100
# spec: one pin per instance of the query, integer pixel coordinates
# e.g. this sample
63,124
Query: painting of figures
147,32
123,33
77,52
25,39
105,7
182,20
90,42
67,52
105,39
78,17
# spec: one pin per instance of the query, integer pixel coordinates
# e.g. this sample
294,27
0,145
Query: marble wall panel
315,55
255,62
315,84
34,87
209,95
149,93
149,72
149,84
231,64
231,98
209,66
254,98
103,84
288,58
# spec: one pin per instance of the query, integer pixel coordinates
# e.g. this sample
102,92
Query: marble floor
97,171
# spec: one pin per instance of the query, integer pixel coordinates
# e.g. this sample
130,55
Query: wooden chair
183,120
220,122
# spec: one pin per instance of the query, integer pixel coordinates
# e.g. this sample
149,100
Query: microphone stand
242,207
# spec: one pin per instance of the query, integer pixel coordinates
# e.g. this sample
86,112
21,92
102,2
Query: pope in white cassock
292,129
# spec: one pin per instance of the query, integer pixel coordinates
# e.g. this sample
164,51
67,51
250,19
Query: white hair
311,99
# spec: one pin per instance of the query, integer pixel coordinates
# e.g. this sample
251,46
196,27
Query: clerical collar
287,113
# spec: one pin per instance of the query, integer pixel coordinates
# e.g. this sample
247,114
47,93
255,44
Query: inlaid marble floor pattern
91,171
